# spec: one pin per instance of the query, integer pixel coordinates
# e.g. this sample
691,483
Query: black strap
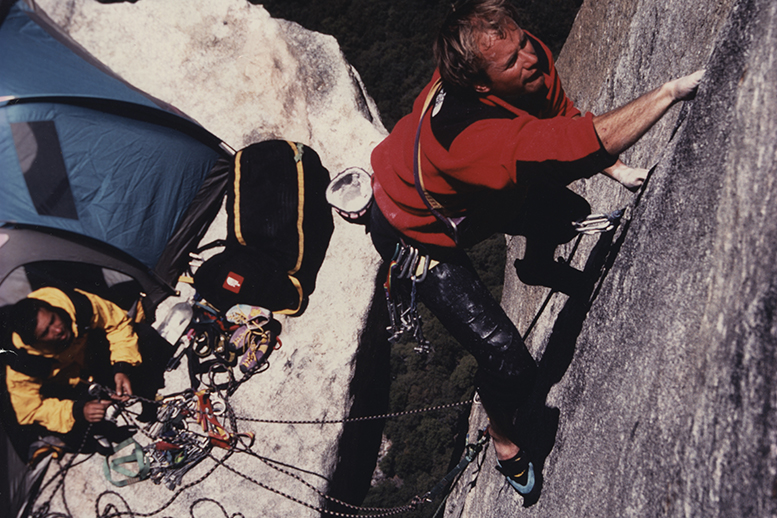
30,364
18,359
214,244
84,311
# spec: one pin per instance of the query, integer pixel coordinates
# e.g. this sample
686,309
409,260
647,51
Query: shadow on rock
538,430
546,224
360,440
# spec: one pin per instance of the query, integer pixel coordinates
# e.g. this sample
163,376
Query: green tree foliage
426,446
389,42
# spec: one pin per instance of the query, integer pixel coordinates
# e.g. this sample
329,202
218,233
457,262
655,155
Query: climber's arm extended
619,129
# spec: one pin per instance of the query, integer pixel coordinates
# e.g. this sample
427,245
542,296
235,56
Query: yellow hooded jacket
57,414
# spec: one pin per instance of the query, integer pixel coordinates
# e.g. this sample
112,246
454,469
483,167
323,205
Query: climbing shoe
519,472
254,317
258,346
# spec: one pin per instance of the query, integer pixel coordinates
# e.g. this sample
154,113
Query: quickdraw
176,449
206,417
470,454
598,223
407,264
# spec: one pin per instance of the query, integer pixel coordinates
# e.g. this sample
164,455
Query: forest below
389,42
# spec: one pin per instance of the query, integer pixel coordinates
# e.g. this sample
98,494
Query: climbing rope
193,447
60,478
357,419
381,513
235,445
343,420
472,451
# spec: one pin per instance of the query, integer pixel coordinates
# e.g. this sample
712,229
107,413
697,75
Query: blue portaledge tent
95,175
85,153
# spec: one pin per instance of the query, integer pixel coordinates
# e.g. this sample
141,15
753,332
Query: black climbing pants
454,293
462,303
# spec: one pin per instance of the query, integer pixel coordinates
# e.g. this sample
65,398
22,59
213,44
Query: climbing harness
407,264
121,465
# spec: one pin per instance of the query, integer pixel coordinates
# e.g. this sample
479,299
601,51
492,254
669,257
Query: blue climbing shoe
519,472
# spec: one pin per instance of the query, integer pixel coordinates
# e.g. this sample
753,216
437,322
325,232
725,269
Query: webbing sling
434,206
451,225
119,465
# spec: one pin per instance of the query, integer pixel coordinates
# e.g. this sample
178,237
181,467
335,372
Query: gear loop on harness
408,264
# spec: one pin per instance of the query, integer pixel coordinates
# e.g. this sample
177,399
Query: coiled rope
111,510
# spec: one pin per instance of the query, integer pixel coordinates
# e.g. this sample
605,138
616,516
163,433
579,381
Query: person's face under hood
54,331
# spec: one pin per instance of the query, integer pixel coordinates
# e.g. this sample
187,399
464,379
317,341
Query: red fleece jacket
472,143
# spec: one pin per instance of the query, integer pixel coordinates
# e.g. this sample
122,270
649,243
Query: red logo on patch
233,282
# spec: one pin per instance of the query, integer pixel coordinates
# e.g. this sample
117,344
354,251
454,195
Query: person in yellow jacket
63,339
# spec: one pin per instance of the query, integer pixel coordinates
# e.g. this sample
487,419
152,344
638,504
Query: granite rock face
248,77
657,396
660,393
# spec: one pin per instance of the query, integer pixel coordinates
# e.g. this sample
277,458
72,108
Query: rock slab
664,386
247,77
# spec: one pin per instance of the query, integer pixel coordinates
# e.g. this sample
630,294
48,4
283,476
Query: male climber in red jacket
490,135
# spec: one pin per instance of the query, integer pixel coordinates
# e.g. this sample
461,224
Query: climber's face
53,332
510,63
